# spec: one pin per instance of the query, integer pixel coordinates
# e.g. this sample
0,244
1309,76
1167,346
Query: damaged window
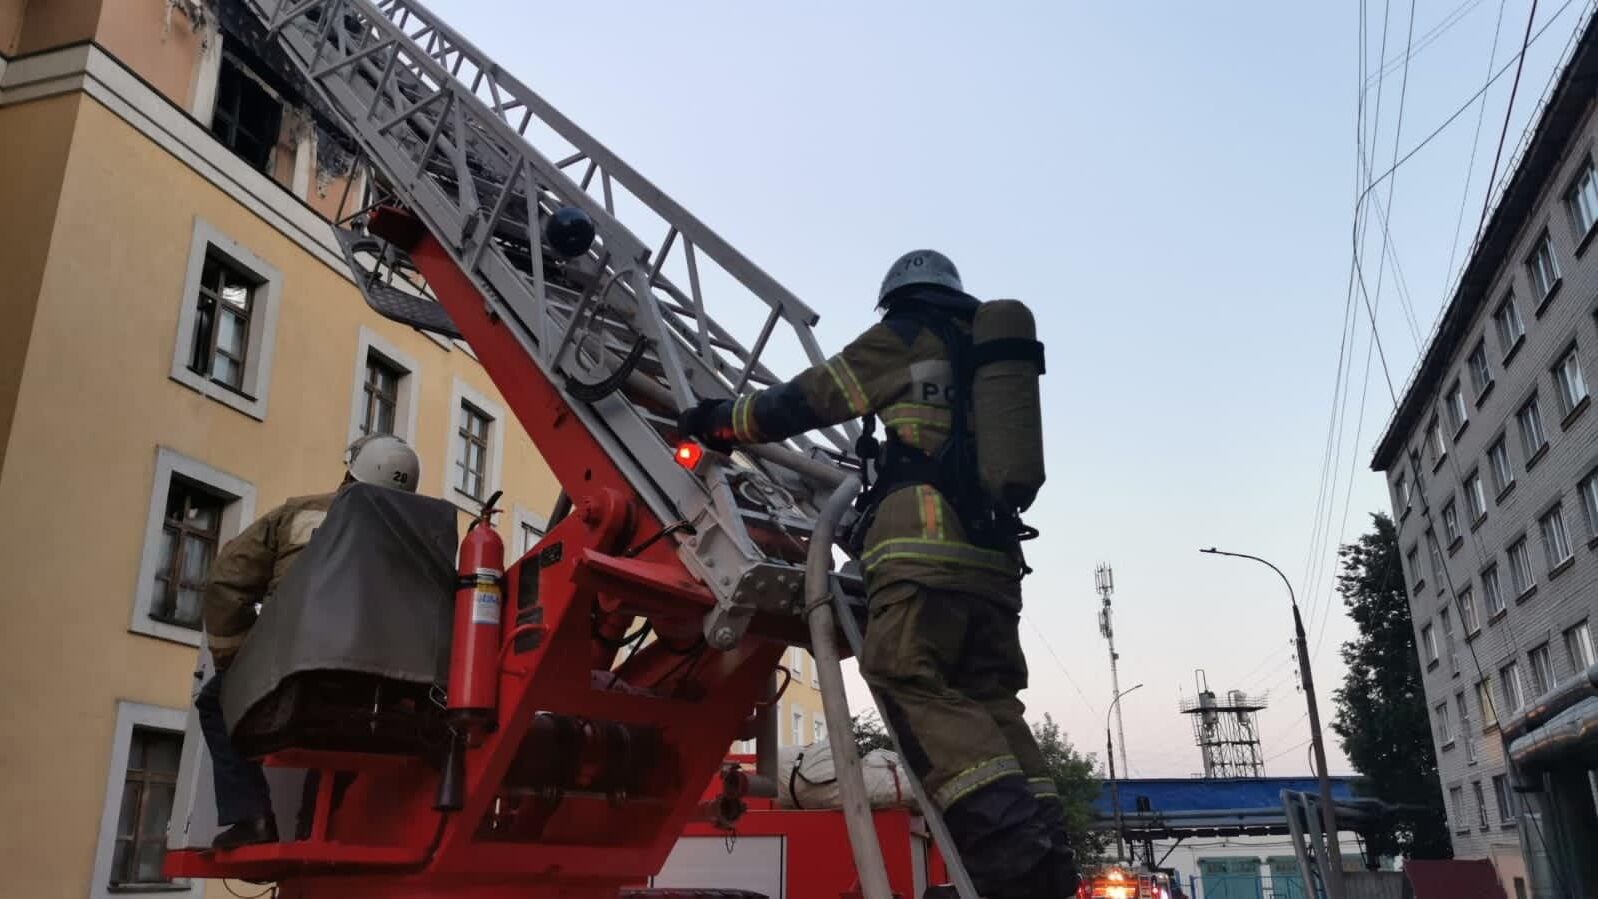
248,114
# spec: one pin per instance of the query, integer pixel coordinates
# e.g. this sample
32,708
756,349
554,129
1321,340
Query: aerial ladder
484,197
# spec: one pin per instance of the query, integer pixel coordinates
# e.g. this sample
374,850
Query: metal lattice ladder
627,327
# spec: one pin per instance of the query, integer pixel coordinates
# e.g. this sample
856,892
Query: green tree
869,734
1381,715
1074,776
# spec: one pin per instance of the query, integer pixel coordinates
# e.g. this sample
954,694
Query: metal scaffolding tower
1226,729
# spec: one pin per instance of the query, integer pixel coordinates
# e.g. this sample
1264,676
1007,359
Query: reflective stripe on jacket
900,371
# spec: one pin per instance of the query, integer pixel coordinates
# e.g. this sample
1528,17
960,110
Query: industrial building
181,349
1492,461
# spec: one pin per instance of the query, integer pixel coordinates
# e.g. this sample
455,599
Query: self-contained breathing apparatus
989,470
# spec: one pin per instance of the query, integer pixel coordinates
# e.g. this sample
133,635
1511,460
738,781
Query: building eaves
1552,132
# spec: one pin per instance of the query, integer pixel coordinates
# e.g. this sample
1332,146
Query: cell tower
1104,582
1226,730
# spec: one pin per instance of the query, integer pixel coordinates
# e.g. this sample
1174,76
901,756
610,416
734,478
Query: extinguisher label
485,605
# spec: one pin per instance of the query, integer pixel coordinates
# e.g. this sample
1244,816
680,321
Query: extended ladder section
624,329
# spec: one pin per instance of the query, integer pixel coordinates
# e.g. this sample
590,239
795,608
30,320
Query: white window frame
1540,661
1505,314
1492,588
129,716
237,514
1570,383
1579,637
1476,497
1529,422
818,728
267,301
1583,186
1451,521
1588,488
1458,413
797,726
1505,796
1445,623
1555,536
1428,644
1498,461
1469,615
1465,732
460,392
1445,730
1434,441
1481,804
1521,578
1512,688
1481,377
370,342
1434,553
1543,282
521,517
1488,702
1456,802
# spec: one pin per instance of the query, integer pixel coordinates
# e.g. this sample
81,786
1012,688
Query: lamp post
1333,878
1115,790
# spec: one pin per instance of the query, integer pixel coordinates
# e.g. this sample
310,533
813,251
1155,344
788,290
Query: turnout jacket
249,567
899,370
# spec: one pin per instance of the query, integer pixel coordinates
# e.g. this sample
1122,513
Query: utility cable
1061,665
1514,88
1469,101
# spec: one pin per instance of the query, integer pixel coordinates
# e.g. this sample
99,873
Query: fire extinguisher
474,650
479,604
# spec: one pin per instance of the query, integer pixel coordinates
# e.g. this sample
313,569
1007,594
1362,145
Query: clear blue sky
1170,186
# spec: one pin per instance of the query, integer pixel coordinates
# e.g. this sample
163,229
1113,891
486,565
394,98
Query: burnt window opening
249,115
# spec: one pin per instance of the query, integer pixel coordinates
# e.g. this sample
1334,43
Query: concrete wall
52,23
156,41
1562,597
34,139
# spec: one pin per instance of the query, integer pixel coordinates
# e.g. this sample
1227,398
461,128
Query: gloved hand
698,422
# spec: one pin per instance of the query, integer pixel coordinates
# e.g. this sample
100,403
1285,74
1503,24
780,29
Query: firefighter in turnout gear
246,571
942,569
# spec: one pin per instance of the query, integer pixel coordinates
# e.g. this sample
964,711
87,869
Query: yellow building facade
181,349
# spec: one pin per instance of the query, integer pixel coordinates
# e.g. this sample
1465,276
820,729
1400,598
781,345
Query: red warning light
688,454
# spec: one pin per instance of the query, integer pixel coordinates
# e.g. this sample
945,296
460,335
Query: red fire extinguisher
479,607
474,651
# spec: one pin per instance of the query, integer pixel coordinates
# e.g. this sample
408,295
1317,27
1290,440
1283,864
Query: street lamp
1334,877
1115,791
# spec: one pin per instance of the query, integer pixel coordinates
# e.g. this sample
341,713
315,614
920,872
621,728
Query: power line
1514,88
1436,31
1321,601
1293,748
1470,100
1052,654
1475,145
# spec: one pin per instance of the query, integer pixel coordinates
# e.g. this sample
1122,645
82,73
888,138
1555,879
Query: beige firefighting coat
899,370
249,567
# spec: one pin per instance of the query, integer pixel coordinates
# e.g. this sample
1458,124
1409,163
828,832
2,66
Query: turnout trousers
948,666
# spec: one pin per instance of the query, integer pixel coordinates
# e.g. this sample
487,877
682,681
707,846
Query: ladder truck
498,221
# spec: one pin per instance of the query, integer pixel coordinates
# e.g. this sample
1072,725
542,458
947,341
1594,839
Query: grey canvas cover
372,593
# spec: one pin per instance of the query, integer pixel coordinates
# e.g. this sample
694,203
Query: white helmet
385,460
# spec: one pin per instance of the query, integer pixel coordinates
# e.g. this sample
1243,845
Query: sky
1171,188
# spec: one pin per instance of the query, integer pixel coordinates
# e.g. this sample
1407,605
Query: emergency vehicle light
688,454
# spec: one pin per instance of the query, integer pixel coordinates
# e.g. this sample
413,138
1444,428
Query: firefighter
246,571
942,647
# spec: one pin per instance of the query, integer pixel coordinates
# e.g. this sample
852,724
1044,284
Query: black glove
698,422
